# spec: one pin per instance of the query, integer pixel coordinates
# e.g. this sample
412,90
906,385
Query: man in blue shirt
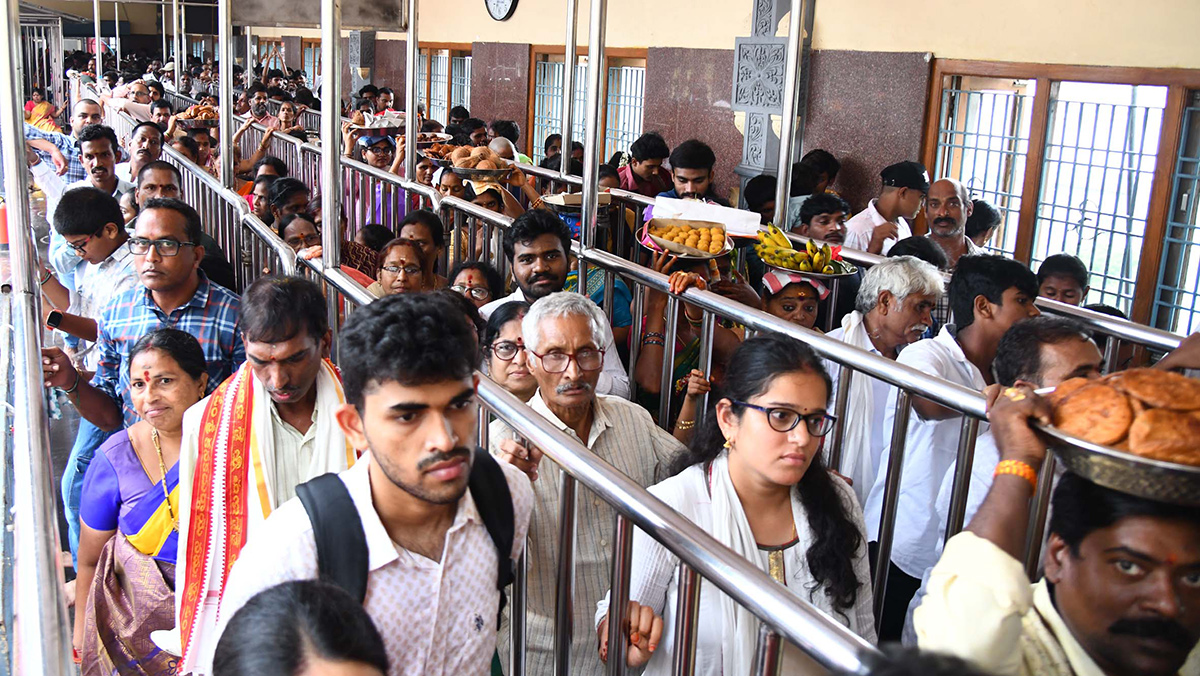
62,149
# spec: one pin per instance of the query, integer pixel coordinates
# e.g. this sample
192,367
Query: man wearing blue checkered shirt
60,148
174,293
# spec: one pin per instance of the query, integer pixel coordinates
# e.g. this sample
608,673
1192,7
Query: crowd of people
223,465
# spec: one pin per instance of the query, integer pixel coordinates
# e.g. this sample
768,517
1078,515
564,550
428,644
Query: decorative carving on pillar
758,77
361,50
764,18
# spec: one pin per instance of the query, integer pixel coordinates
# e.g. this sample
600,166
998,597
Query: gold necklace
162,465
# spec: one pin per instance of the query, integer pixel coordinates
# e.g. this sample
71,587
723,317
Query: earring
728,445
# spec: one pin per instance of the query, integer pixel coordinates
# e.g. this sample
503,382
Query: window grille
1177,296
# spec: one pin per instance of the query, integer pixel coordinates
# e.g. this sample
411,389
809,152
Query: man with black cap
885,220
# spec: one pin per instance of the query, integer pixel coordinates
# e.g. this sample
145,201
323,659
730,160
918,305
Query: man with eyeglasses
173,292
133,98
565,335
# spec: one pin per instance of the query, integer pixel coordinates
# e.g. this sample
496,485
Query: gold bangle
1018,468
684,424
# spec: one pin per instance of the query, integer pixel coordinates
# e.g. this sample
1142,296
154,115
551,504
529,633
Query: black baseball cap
906,174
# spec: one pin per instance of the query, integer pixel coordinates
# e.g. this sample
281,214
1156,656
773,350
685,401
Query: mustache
544,277
918,328
563,388
945,221
462,452
1169,630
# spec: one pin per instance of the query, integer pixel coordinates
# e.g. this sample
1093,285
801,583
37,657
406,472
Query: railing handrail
287,257
954,396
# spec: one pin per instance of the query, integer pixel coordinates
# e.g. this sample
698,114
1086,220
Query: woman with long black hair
753,477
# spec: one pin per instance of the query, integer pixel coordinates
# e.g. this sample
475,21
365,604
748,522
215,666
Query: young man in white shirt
988,294
431,589
885,220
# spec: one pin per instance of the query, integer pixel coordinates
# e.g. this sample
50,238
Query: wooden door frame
428,49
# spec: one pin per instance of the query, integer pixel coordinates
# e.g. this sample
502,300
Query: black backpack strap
489,489
341,544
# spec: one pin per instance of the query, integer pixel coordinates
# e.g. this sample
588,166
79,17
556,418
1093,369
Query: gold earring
728,444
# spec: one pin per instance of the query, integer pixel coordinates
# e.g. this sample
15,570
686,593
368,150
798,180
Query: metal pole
412,52
99,43
162,9
769,658
516,619
891,495
41,637
839,411
1037,525
568,100
117,31
687,612
592,135
564,589
667,377
708,332
225,84
962,475
175,41
331,132
618,605
791,111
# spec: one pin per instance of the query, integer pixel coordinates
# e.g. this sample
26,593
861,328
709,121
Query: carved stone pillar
758,81
362,58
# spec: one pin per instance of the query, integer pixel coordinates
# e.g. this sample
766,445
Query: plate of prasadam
1135,431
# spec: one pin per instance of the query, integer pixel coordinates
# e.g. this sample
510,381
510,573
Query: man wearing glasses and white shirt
564,333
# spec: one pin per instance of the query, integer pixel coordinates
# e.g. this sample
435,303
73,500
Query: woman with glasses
129,514
401,269
300,233
504,350
478,281
754,479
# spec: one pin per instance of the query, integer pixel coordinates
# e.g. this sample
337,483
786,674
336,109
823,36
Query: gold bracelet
1018,468
684,424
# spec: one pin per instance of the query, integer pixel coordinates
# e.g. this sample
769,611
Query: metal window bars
548,103
1177,297
460,81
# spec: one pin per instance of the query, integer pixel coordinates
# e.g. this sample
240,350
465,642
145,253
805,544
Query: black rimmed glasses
410,270
785,419
140,246
472,292
588,359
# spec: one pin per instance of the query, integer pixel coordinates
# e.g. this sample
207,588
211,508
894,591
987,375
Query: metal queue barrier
784,615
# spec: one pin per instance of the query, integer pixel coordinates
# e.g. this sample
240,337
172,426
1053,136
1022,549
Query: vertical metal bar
483,428
412,48
768,659
962,475
592,134
162,8
667,381
708,329
831,308
99,41
791,110
225,102
117,31
836,451
177,41
635,335
687,614
516,619
41,635
618,605
568,89
891,495
1111,350
564,591
1037,516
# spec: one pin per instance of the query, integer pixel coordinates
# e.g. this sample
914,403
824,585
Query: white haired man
565,334
892,310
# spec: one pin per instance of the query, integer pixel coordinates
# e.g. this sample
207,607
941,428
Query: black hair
490,276
304,97
200,131
162,103
281,629
269,179
988,276
276,308
823,161
576,145
179,345
255,88
147,125
502,315
753,367
1080,507
616,160
386,90
607,171
367,89
274,73
459,112
922,248
822,204
40,91
283,189
431,125
983,217
1019,353
649,146
759,190
899,660
192,229
280,167
282,224
360,103
468,310
470,124
187,142
407,338
693,154
84,210
507,129
1063,265
375,236
431,221
273,92
550,141
160,165
95,132
804,180
533,224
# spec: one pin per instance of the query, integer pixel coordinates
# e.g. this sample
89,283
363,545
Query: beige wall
142,18
1151,33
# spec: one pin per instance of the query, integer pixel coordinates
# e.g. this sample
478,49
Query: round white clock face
501,9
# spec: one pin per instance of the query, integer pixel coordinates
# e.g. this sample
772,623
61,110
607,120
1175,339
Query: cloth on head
776,280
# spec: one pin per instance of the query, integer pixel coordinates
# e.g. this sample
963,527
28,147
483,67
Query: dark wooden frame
1177,80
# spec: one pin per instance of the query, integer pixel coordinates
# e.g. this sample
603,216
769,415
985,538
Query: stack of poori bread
199,112
1151,413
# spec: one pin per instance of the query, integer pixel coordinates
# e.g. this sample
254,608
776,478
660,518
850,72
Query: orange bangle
1018,468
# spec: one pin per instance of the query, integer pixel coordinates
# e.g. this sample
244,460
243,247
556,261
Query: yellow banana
828,269
778,238
805,266
812,248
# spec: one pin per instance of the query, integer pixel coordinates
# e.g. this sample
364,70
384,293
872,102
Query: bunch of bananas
775,249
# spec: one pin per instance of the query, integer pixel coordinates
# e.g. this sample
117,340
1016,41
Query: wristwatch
54,319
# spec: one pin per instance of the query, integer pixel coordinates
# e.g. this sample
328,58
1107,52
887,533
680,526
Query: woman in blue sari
129,515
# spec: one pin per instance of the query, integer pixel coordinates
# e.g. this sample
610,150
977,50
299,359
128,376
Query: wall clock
501,9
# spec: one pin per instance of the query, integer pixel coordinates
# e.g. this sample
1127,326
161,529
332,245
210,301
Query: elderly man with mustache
565,334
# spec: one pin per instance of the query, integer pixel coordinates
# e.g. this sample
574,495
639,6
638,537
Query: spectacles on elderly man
588,359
